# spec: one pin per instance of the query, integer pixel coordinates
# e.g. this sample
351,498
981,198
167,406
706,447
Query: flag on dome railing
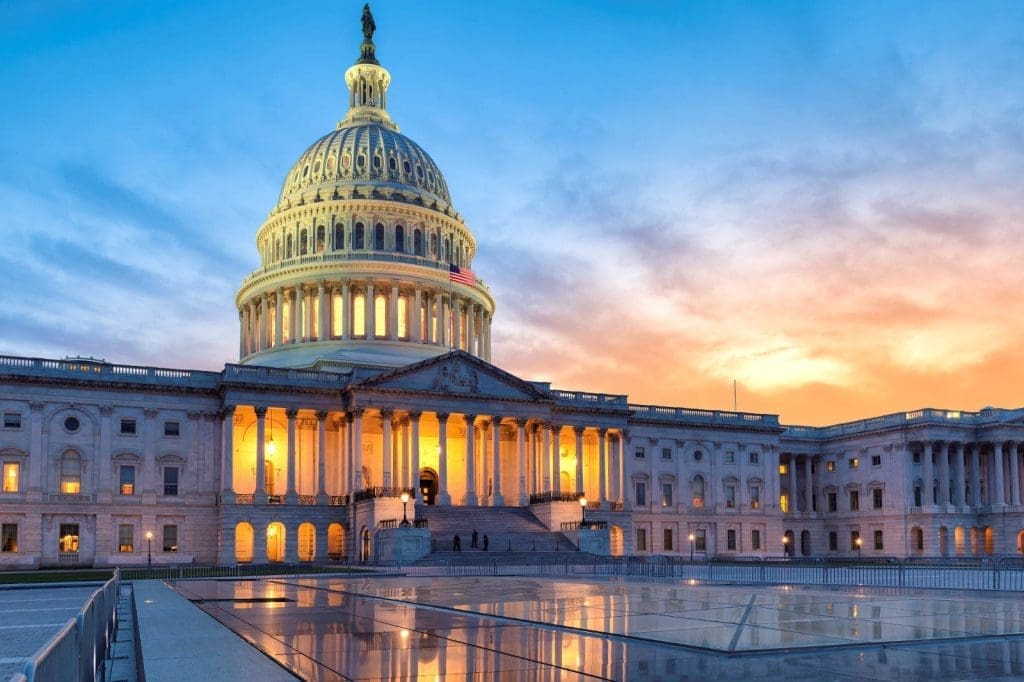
461,275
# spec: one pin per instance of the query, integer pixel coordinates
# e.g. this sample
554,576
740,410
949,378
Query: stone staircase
511,531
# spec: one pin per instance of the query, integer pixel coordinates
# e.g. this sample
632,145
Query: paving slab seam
473,614
743,620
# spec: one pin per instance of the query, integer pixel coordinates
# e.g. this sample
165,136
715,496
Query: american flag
461,275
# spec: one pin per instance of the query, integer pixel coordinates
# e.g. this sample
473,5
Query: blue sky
821,200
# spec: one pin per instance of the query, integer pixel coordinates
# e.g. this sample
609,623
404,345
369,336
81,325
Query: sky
821,201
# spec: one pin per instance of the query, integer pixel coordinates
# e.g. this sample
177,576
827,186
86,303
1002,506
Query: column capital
194,416
519,422
260,410
227,411
105,410
601,431
291,413
387,414
442,417
357,412
321,416
415,416
470,419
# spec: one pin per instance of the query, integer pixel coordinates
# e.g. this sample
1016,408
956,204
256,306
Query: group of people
474,538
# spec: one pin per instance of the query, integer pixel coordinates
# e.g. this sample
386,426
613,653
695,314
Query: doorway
428,486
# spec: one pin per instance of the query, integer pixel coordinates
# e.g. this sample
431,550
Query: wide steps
509,529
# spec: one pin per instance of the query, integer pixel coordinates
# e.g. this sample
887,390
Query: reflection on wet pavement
549,629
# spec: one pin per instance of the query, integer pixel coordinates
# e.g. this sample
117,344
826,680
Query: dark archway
805,543
788,546
428,486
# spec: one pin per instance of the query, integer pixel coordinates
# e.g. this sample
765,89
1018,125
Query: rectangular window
641,539
830,466
784,502
755,497
12,476
128,427
783,469
754,457
755,540
730,497
833,541
917,496
701,540
876,460
730,540
854,539
640,453
854,463
917,458
666,494
171,481
667,539
125,538
172,429
170,538
730,457
68,541
666,453
9,537
12,420
640,488
127,478
879,543
832,503
876,498
854,500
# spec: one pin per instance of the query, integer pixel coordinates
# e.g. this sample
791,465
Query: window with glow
170,538
68,540
380,316
854,536
71,473
12,473
755,497
314,322
784,502
337,314
9,537
783,469
359,315
666,494
854,463
286,322
127,479
830,466
125,538
697,491
403,317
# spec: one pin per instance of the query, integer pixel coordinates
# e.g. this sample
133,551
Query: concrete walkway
180,642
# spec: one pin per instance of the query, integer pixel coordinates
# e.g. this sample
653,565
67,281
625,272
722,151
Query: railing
77,651
338,500
371,493
244,498
70,498
90,368
551,496
307,499
242,570
986,416
284,376
419,523
584,525
590,398
387,524
686,414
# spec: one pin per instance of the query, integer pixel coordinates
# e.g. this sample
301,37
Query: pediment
455,374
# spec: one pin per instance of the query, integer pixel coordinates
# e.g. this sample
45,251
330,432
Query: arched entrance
990,541
307,541
960,540
364,546
1020,542
615,541
243,542
335,542
275,542
428,485
788,545
805,543
566,482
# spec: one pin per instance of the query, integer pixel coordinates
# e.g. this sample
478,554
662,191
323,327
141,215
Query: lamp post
405,501
149,548
583,509
692,538
785,545
859,543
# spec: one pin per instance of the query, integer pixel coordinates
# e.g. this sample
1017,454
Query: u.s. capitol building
364,372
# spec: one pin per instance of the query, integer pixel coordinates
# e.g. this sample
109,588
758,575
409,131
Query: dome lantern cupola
368,83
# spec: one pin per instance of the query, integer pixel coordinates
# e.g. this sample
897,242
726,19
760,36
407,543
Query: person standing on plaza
472,540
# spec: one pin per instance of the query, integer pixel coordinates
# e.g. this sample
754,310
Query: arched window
321,239
359,237
380,316
71,473
447,252
697,490
337,313
339,237
417,242
277,249
403,317
359,315
290,248
303,242
433,245
307,541
399,238
378,237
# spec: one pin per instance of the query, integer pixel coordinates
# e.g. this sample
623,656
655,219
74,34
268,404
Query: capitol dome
363,260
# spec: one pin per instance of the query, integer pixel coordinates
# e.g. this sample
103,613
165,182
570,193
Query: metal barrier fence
81,645
1005,574
197,571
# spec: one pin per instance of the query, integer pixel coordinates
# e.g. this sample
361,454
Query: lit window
755,497
128,427
403,317
12,473
172,429
854,539
359,315
71,473
127,479
170,538
68,541
697,491
730,497
171,481
783,469
12,420
380,316
9,537
854,463
666,494
830,466
784,502
125,538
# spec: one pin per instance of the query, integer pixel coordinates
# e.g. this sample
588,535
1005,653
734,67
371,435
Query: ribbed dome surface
366,154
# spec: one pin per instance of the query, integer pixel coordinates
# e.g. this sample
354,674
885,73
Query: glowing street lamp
785,545
583,509
692,538
405,500
859,543
149,548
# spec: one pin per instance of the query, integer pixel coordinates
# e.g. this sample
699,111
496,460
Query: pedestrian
456,543
472,540
486,542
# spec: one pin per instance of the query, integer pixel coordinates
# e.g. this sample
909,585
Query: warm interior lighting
271,447
71,487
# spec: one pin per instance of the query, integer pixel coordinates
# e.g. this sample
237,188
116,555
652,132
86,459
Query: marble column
414,419
927,477
943,455
279,317
291,497
471,496
405,480
263,322
260,494
793,497
578,433
227,415
386,455
556,463
543,460
624,453
456,304
520,423
470,313
1014,475
323,314
370,313
357,449
602,467
393,312
346,310
808,483
975,473
497,498
442,320
960,488
998,463
321,456
298,331
417,317
443,498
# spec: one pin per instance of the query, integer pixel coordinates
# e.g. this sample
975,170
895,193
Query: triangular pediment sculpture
455,373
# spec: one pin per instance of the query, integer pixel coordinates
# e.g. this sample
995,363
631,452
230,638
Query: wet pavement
371,628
